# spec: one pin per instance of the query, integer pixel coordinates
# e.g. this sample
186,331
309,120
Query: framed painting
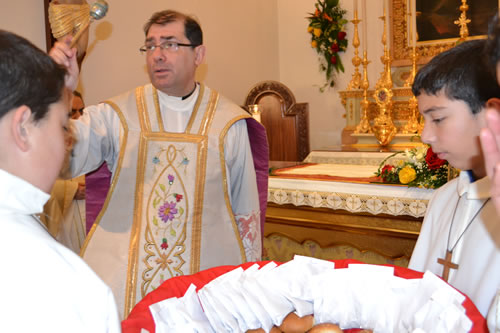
436,27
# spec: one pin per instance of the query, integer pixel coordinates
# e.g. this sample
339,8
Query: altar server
186,166
44,286
459,239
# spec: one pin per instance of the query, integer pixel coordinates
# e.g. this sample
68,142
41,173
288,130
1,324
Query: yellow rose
310,29
407,174
317,32
314,44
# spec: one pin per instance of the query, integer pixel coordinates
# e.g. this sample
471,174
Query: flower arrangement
326,26
418,167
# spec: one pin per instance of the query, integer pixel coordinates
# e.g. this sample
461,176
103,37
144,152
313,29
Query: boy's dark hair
462,73
192,28
28,76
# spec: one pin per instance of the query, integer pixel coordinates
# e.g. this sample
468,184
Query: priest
189,184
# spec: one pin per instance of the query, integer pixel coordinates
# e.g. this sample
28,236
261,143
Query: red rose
432,160
386,171
333,59
387,168
341,35
335,47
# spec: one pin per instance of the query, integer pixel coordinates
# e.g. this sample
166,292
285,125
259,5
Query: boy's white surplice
477,253
45,287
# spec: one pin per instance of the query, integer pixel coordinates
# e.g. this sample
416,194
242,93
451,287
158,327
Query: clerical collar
192,91
179,99
175,103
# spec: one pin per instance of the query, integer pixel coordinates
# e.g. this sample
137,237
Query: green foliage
328,37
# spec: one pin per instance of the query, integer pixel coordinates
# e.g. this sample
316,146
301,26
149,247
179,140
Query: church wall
247,42
25,18
299,66
240,36
239,51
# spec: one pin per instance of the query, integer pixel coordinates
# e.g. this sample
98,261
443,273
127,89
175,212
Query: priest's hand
490,142
66,56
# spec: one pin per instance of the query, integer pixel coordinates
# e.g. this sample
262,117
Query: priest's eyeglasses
169,46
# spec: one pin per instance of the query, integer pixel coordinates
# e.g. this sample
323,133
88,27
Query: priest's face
453,131
172,70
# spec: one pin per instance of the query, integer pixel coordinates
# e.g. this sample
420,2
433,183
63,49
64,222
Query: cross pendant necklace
446,262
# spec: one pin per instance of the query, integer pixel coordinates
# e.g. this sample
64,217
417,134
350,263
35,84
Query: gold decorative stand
385,80
383,127
364,124
413,124
356,60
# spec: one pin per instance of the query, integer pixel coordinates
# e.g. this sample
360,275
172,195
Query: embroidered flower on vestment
171,179
164,244
156,160
167,211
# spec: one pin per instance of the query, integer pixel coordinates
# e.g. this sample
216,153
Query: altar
332,207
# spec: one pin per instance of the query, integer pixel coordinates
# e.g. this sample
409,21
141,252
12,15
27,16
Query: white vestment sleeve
242,181
242,186
97,133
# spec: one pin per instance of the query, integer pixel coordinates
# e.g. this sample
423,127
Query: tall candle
413,23
365,24
356,6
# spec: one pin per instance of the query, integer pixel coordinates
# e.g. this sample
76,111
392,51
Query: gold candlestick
463,21
413,124
383,127
412,33
364,124
356,61
385,80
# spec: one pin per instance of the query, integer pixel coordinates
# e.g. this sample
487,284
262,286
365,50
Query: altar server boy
459,239
44,286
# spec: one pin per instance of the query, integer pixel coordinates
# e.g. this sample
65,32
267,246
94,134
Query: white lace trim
354,203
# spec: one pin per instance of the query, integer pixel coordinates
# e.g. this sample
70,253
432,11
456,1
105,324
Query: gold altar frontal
331,217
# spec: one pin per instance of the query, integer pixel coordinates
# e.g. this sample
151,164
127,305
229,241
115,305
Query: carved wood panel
286,122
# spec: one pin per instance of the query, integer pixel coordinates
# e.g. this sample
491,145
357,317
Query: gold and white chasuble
179,218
